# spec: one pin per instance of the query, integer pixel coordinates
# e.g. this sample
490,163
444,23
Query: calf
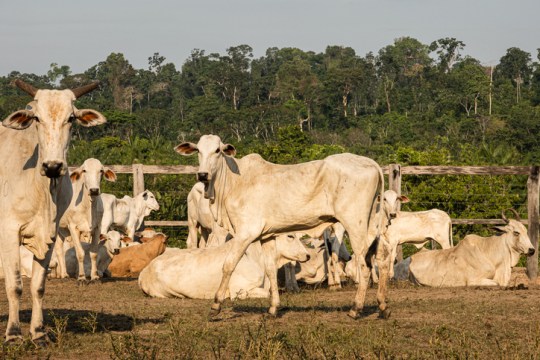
196,273
131,260
83,216
127,214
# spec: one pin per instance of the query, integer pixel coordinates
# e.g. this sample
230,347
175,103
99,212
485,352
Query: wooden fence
395,173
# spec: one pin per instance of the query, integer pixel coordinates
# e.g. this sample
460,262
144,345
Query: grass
114,320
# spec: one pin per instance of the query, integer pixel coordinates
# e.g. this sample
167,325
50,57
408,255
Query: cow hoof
353,314
385,314
41,342
215,310
334,287
272,312
13,340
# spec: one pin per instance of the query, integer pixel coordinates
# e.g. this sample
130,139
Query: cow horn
26,87
504,217
80,91
518,218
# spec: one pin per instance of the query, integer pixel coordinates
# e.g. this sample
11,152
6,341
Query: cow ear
19,120
500,229
186,148
404,199
109,175
228,149
89,117
145,194
75,175
126,239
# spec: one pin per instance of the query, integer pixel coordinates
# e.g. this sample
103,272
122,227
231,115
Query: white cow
200,220
109,245
255,200
319,267
476,260
196,273
83,217
127,214
34,187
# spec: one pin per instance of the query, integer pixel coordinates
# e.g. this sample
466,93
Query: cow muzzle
202,177
116,251
52,169
531,252
94,191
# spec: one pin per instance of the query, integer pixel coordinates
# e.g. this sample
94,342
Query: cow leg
360,242
37,289
76,238
61,269
269,252
384,262
238,249
94,247
335,271
290,277
10,254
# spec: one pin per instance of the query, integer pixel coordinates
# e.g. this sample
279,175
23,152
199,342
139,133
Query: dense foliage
410,103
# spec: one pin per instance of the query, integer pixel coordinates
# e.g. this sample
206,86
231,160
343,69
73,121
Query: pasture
114,319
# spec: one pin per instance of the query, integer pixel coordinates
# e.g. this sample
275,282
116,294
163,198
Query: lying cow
109,245
476,260
127,214
196,273
319,267
131,260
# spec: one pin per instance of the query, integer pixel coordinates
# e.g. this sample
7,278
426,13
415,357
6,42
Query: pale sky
80,34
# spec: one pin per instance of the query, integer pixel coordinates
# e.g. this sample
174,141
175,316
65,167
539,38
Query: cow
196,273
255,200
34,184
109,245
319,267
200,220
130,261
127,213
476,260
82,219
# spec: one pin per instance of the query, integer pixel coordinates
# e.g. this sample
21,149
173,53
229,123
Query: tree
515,66
448,51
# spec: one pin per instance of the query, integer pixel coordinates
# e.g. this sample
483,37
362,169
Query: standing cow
34,185
255,200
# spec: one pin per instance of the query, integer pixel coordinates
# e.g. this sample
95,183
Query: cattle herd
247,218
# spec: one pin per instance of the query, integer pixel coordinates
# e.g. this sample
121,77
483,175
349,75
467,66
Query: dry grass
115,320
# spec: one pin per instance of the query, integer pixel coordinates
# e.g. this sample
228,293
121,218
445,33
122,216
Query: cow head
150,202
516,235
91,172
391,203
290,248
112,241
211,152
53,113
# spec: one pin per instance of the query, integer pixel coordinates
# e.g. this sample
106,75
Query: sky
80,34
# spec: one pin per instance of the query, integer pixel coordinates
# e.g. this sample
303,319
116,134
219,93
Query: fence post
532,210
138,179
394,183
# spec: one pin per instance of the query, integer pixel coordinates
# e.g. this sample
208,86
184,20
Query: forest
409,103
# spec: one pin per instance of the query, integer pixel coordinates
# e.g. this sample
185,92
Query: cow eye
71,118
217,150
516,233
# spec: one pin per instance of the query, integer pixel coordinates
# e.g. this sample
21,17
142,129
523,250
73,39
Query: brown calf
131,260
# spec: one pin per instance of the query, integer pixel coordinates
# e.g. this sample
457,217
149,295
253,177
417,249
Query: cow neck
139,207
219,182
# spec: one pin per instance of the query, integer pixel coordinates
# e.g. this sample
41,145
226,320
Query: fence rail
395,173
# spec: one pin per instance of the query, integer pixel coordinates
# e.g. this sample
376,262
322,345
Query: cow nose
52,169
531,252
116,251
393,215
308,257
202,176
94,191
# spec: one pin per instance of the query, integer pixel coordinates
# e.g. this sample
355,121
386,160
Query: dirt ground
114,319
